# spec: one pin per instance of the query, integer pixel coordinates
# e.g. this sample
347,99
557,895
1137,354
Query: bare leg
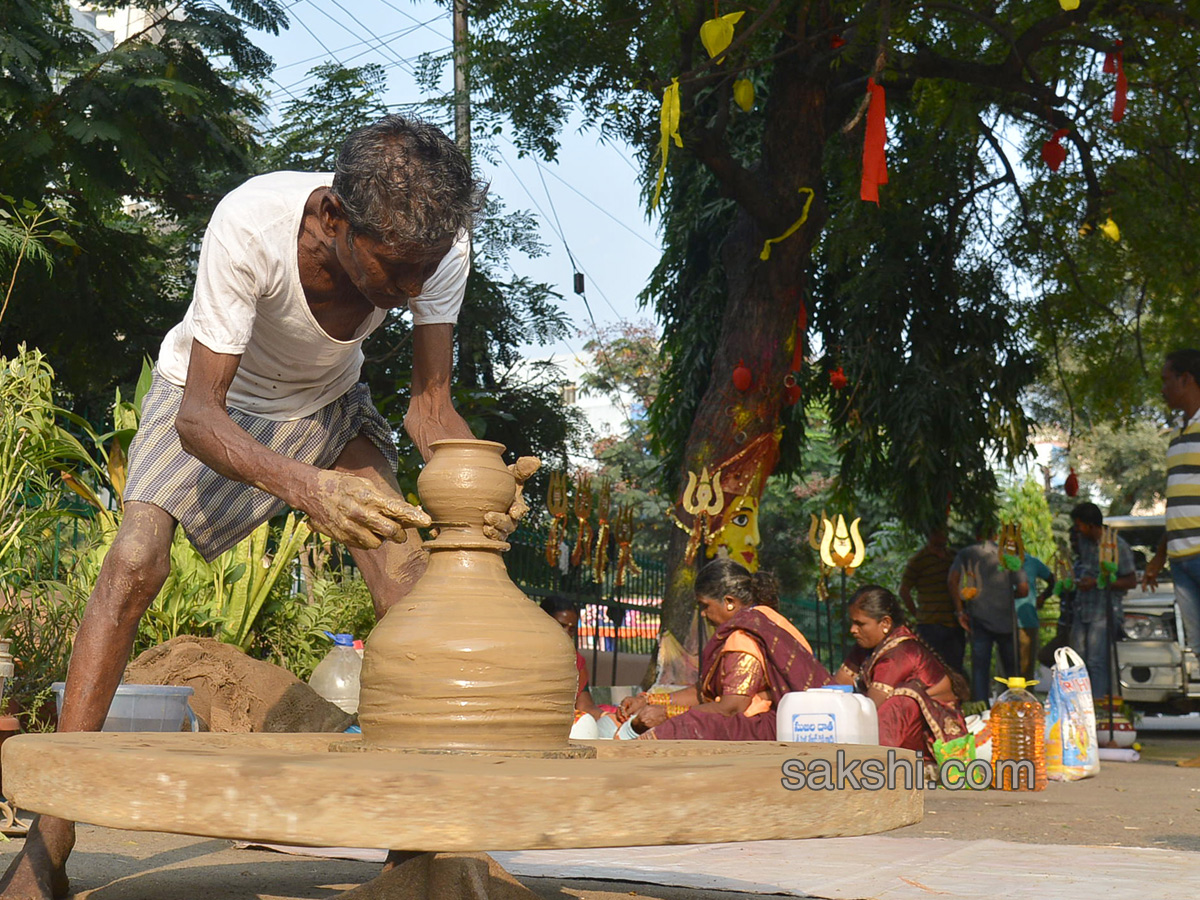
391,569
134,570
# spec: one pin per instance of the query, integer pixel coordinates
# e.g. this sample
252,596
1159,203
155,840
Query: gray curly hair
402,181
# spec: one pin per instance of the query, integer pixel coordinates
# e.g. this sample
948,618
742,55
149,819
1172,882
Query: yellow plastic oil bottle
1018,735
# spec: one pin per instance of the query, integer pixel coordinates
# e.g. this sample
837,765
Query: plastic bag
1072,751
961,749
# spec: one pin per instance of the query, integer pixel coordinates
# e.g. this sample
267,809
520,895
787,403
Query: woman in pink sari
754,658
917,694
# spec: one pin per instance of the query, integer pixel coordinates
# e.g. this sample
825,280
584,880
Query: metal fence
612,619
822,624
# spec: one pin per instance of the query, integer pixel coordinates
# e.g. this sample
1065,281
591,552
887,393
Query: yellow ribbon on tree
717,34
668,118
1069,5
766,250
1110,230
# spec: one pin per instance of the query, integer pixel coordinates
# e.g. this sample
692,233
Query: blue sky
588,200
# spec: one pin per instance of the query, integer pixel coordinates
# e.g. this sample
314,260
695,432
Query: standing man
988,615
1181,390
256,403
928,571
1097,608
1028,622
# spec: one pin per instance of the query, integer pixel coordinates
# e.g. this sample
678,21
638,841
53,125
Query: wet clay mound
234,692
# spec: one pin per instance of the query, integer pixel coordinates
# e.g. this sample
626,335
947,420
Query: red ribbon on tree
1053,152
874,158
1114,61
1071,486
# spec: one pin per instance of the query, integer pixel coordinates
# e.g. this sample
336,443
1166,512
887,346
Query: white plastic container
144,707
828,715
336,677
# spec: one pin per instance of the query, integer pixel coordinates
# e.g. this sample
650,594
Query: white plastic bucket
828,715
144,707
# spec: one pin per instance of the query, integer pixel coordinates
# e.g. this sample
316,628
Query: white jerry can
828,715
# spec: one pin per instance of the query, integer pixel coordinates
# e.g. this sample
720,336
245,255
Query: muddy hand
498,526
353,511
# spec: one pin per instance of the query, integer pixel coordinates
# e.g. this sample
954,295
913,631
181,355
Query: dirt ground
1152,803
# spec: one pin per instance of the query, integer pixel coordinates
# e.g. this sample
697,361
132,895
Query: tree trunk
761,311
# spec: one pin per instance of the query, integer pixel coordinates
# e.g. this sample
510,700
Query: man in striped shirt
1181,542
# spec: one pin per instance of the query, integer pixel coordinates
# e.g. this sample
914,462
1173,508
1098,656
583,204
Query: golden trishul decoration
556,504
1012,546
703,500
583,512
623,533
603,504
841,547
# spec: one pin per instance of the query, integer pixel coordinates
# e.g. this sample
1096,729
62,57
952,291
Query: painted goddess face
739,538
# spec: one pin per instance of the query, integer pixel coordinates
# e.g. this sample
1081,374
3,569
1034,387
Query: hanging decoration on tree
582,554
792,229
1109,559
743,378
669,126
717,34
1114,62
1011,546
838,379
743,94
874,144
1071,486
603,502
791,381
703,500
1069,5
556,504
1110,230
1054,154
836,41
623,535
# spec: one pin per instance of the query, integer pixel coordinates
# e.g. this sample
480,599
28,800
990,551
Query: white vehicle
1154,664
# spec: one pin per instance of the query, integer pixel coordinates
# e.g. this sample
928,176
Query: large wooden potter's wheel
291,789
467,700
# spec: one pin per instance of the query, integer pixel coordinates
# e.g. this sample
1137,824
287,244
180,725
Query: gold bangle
658,698
675,709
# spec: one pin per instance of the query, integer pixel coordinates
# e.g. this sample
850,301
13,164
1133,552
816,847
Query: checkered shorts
215,512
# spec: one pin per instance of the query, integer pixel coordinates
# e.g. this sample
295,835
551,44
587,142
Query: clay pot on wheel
466,661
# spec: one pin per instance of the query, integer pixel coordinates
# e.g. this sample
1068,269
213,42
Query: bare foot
39,872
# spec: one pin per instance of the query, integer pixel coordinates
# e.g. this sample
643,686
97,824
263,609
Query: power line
350,31
401,32
589,200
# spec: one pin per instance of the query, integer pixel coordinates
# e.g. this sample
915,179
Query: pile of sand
234,692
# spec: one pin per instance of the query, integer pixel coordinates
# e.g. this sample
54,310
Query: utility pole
462,95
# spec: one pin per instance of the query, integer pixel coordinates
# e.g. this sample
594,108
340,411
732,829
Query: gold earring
729,606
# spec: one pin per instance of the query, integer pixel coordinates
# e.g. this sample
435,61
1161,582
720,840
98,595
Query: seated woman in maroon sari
916,694
754,658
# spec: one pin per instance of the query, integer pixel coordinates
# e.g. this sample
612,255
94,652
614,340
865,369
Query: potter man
256,403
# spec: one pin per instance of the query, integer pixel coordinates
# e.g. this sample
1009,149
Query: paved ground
1152,803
